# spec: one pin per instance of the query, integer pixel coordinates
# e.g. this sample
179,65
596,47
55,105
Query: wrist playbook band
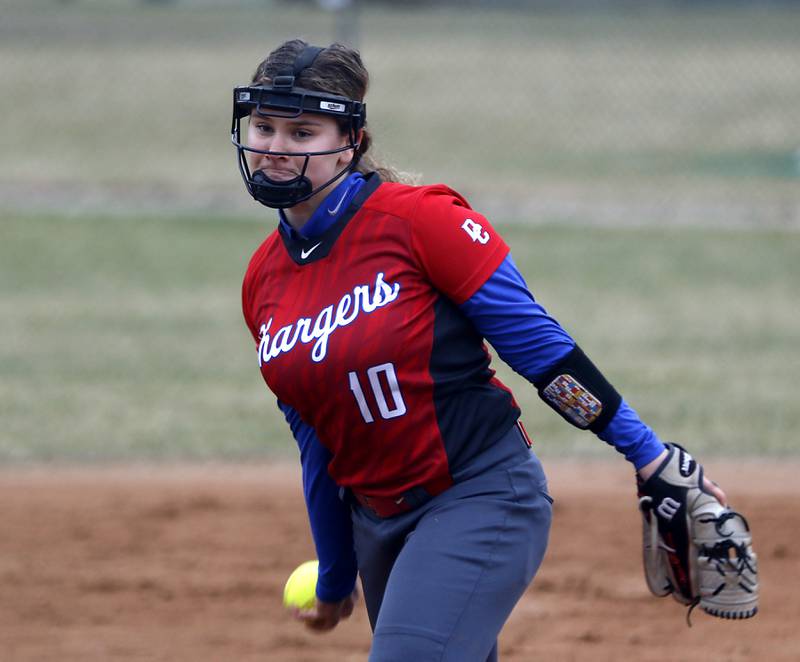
577,391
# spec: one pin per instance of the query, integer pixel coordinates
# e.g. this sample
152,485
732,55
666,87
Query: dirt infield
189,563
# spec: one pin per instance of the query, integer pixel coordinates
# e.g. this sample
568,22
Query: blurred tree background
614,112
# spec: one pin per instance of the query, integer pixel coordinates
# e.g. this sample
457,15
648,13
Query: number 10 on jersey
378,385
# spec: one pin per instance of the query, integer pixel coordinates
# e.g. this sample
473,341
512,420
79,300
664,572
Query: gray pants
440,581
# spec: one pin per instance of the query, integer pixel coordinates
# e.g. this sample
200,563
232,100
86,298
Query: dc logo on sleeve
475,231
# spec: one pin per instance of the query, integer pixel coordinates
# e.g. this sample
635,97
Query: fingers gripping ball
301,587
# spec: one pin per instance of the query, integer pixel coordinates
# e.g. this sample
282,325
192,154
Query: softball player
369,307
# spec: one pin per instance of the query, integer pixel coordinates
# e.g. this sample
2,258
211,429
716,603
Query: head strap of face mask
281,98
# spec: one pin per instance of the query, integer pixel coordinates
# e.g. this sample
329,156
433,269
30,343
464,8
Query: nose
278,142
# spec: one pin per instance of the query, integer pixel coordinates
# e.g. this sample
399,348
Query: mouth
279,174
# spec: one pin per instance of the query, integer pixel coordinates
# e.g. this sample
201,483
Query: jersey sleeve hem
482,274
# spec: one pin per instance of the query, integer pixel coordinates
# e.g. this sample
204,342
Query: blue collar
329,211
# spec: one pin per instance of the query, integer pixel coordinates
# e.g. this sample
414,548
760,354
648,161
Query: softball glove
695,549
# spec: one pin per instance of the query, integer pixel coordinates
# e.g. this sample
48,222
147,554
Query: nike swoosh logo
305,253
335,210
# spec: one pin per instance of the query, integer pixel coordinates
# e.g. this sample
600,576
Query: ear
346,156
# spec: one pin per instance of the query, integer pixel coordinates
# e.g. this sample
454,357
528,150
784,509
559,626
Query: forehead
304,119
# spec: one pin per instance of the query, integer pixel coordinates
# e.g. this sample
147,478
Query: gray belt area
510,449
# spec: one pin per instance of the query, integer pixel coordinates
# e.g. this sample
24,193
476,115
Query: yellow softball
301,587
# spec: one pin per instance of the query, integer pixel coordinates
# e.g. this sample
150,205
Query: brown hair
337,70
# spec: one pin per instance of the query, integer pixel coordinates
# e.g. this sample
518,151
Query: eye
303,133
263,128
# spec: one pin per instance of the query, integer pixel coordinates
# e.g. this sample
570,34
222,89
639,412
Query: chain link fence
654,113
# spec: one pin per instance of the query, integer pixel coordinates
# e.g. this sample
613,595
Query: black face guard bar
295,186
282,100
289,102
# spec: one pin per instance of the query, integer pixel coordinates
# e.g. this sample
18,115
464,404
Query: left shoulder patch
475,231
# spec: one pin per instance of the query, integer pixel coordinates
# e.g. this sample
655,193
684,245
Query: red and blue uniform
359,331
370,325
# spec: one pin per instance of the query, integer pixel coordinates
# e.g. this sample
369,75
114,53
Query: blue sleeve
504,312
331,526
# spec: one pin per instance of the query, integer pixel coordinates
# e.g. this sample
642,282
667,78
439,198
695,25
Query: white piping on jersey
306,330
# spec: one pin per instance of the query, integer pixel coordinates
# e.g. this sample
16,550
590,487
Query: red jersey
359,331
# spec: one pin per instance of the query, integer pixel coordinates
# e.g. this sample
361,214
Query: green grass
698,330
122,337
